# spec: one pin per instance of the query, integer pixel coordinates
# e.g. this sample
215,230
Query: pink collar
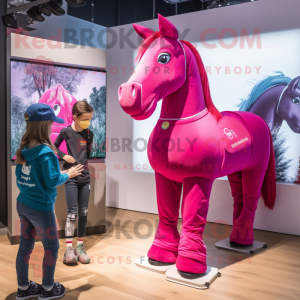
193,118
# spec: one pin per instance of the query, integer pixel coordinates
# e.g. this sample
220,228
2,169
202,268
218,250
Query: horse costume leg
235,181
165,245
192,250
242,232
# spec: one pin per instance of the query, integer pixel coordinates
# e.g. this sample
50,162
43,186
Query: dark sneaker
57,291
81,254
33,291
70,257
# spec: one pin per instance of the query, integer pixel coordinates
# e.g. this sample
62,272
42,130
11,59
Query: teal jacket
38,178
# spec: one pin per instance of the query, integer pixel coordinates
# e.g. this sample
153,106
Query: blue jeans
43,260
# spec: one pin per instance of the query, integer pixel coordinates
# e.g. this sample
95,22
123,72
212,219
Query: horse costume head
62,103
168,69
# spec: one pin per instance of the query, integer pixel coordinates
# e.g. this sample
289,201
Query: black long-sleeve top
77,145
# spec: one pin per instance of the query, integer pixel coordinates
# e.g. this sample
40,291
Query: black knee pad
83,213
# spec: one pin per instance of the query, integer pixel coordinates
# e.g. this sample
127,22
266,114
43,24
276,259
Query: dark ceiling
111,13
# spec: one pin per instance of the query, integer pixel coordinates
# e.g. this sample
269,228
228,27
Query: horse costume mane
261,87
205,84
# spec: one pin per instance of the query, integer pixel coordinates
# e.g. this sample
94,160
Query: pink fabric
191,265
59,98
244,211
166,28
186,149
142,31
196,193
159,253
234,133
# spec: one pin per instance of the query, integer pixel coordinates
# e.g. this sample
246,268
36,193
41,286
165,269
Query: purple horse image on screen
275,99
62,103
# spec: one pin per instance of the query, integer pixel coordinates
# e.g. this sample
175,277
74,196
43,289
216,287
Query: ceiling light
76,3
10,20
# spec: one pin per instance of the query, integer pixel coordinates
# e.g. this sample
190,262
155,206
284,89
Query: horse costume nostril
120,92
133,91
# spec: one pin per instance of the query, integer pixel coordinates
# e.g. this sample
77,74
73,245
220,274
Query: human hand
70,159
75,171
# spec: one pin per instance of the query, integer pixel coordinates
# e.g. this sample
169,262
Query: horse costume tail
268,189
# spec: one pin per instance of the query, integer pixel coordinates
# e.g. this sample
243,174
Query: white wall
28,47
135,190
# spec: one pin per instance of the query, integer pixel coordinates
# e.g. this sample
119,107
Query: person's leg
71,192
45,225
235,181
165,244
192,250
242,232
27,239
83,203
50,242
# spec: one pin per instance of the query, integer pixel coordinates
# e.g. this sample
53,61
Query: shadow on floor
104,285
221,258
3,229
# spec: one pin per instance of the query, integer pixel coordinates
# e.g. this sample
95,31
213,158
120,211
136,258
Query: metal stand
153,266
255,247
202,281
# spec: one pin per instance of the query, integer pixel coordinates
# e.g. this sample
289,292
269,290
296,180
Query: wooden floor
272,274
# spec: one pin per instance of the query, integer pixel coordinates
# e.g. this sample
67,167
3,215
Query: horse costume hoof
158,254
189,276
234,244
190,266
158,263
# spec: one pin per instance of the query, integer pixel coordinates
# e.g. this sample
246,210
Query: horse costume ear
142,31
166,28
293,85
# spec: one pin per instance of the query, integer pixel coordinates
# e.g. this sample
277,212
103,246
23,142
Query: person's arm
91,143
52,176
61,137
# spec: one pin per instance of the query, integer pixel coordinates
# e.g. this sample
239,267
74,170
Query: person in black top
79,140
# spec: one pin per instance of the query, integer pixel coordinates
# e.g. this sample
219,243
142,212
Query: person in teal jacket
38,174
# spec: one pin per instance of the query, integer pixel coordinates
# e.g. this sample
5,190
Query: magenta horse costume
192,145
62,103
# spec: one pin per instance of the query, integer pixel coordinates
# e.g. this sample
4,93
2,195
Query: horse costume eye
296,100
56,109
164,58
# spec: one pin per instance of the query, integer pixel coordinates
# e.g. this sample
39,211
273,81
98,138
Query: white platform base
144,263
202,282
255,247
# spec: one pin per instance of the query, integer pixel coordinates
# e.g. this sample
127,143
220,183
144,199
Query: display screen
61,88
249,73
